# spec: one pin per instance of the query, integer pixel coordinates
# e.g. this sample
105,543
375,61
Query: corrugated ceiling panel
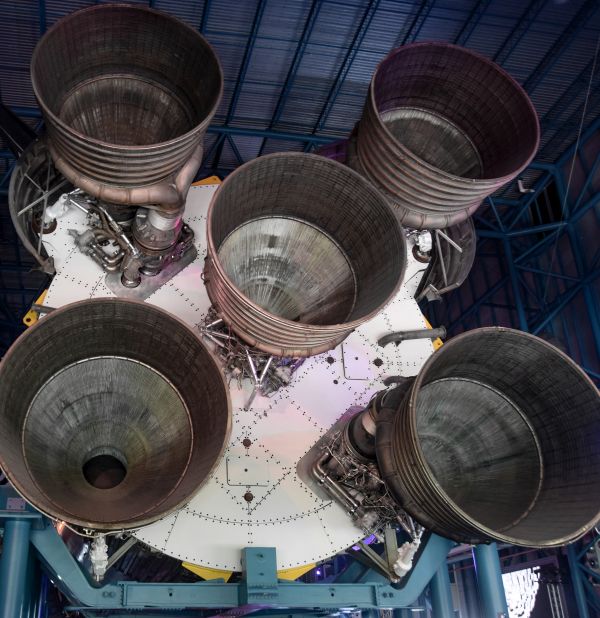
270,62
490,34
189,11
387,22
273,145
228,158
231,17
55,9
256,104
230,49
248,147
337,23
282,24
441,25
15,86
560,11
344,114
284,21
501,10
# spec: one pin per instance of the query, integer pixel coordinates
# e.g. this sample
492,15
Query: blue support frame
548,266
239,84
13,568
519,31
553,55
309,25
474,18
416,24
353,50
578,586
258,589
441,594
489,581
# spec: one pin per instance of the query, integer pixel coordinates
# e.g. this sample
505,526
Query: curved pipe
167,196
406,335
138,90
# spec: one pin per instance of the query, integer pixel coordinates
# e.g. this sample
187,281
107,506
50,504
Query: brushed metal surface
127,94
434,139
291,269
477,443
497,439
113,378
443,128
301,250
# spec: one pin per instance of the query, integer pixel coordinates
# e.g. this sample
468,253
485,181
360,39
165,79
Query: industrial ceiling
303,67
296,74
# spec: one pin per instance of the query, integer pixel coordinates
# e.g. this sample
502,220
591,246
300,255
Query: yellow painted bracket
208,573
295,572
437,343
211,180
32,316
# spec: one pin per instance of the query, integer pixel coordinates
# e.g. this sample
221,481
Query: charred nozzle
113,414
127,94
301,250
442,128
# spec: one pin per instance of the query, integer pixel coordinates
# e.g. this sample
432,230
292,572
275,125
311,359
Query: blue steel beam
534,294
523,325
479,301
13,568
258,15
441,594
236,151
280,135
590,302
547,273
529,199
489,581
471,22
539,247
204,18
563,301
591,176
479,219
566,128
576,580
260,9
528,16
416,24
42,16
581,18
487,284
259,589
219,129
592,595
583,210
496,214
578,85
309,25
533,229
353,49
